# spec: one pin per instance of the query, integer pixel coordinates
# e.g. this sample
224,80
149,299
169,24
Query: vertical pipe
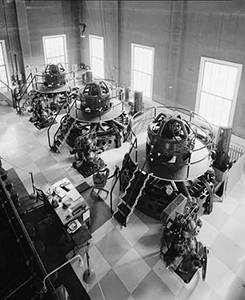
32,182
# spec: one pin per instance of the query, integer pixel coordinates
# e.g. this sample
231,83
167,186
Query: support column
24,35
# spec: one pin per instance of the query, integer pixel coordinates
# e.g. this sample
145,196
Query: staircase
131,196
62,133
7,97
205,190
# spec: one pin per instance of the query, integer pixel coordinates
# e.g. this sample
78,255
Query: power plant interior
122,150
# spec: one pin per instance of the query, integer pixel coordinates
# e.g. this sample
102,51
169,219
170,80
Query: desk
67,202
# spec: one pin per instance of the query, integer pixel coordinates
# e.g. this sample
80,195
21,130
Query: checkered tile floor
125,260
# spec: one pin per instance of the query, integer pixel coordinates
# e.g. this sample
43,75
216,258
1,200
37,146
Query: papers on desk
59,191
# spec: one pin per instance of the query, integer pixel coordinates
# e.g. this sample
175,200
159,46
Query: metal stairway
131,196
63,132
7,97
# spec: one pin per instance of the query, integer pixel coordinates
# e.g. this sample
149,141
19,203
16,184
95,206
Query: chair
100,179
42,197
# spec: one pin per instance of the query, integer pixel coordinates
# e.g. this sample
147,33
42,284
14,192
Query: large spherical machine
168,175
96,122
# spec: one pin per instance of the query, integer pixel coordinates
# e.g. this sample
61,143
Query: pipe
61,266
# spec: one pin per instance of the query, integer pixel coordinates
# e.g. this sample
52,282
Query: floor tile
46,163
134,230
113,246
214,296
130,298
172,280
229,204
232,256
148,247
238,191
102,231
22,161
112,287
131,269
97,263
200,290
217,218
152,287
239,213
235,291
207,233
134,250
39,180
39,153
235,230
241,271
219,276
53,174
24,173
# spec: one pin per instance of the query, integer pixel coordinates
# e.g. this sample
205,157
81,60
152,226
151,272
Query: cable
14,165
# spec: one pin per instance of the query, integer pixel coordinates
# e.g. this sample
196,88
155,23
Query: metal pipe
61,266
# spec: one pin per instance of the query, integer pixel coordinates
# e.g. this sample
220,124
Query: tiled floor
125,260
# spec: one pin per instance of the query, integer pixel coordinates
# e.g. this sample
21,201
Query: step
130,201
124,209
7,97
120,218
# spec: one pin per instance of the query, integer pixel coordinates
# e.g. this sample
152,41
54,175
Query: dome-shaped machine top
95,98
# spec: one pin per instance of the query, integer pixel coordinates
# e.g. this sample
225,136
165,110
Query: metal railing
140,123
9,89
59,110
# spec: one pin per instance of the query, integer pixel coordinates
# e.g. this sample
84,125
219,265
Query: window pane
142,83
3,75
55,50
214,109
97,56
1,55
97,67
142,66
217,92
225,113
231,81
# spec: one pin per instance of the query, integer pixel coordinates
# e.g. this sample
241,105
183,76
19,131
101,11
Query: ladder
62,133
131,196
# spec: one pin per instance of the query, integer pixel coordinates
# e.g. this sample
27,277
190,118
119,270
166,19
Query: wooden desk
67,202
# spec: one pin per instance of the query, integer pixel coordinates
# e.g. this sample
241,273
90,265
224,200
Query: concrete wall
29,21
181,32
101,18
9,32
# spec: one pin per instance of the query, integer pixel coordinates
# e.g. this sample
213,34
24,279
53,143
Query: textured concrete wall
9,33
101,18
29,21
51,18
181,32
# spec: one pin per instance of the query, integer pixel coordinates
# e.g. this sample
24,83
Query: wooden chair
42,197
100,179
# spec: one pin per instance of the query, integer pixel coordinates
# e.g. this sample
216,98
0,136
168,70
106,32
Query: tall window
55,49
96,46
3,67
142,62
217,90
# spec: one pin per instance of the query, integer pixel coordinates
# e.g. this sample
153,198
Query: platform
199,162
114,112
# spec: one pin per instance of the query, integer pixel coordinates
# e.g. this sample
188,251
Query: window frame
203,60
5,58
133,46
65,47
101,38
